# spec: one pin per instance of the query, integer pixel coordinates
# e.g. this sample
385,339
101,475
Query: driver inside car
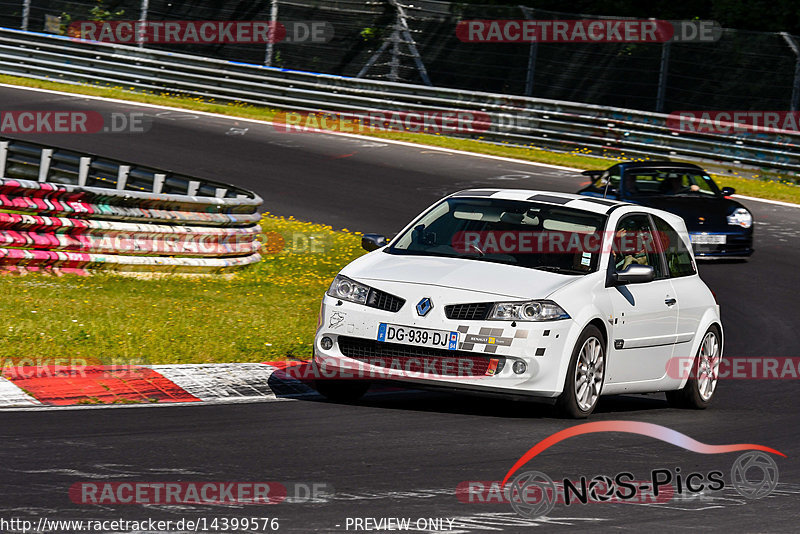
623,255
674,184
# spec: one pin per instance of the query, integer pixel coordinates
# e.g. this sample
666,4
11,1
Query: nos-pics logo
754,474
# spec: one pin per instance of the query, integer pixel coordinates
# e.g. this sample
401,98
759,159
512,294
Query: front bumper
482,362
737,245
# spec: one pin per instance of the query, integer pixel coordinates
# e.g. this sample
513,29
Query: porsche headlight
741,217
532,310
347,289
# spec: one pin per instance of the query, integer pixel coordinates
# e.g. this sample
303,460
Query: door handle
670,302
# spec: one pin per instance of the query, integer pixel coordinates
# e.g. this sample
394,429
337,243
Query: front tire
702,383
585,375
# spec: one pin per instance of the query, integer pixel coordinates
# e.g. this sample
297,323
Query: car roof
568,200
659,165
582,202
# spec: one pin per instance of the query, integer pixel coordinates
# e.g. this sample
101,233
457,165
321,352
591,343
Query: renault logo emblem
424,306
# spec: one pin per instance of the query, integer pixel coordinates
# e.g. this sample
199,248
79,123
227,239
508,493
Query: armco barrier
550,124
71,212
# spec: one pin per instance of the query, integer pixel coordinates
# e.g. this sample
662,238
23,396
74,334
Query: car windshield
668,182
514,232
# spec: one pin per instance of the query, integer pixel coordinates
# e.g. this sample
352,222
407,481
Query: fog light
519,367
326,343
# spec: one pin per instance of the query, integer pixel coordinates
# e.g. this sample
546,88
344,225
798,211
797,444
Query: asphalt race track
403,454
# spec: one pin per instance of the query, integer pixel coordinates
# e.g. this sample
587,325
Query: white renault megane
547,295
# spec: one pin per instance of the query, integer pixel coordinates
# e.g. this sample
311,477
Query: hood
479,276
691,207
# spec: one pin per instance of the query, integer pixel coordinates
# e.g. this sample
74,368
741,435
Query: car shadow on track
453,403
386,395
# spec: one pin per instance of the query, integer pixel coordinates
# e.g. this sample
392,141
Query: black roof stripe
551,199
603,201
476,193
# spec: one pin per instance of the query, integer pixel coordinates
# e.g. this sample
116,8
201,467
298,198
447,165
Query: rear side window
679,259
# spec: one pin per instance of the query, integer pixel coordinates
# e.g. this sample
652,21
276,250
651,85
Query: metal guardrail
523,121
73,211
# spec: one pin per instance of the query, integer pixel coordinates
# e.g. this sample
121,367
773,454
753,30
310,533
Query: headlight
533,310
741,217
346,289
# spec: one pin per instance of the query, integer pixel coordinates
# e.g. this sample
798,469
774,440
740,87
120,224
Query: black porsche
718,225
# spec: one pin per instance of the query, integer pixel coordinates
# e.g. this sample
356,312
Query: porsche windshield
668,182
514,232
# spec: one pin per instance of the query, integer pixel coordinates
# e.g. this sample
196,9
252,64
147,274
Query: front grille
468,312
384,301
414,359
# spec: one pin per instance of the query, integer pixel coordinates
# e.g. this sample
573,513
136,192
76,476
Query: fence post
662,77
44,163
122,176
158,182
273,22
83,170
143,21
26,14
796,85
532,50
401,33
3,157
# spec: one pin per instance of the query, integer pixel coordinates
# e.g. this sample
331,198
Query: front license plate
708,239
422,337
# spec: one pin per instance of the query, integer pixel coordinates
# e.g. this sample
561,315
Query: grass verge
772,186
265,312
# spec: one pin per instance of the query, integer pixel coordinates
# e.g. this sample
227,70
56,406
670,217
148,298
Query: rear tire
342,390
699,389
585,375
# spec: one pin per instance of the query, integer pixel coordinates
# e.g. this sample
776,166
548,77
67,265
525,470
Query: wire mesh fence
415,41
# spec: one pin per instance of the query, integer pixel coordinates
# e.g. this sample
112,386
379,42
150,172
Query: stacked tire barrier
72,212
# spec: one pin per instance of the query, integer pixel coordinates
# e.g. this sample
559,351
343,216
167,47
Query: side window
610,178
634,242
679,260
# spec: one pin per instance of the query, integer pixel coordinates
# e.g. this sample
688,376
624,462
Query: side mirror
370,242
727,191
592,173
635,274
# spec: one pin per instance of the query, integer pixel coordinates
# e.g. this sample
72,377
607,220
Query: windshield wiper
556,269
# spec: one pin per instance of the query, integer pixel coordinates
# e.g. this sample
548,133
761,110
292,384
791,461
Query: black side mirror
727,191
635,274
593,174
370,242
